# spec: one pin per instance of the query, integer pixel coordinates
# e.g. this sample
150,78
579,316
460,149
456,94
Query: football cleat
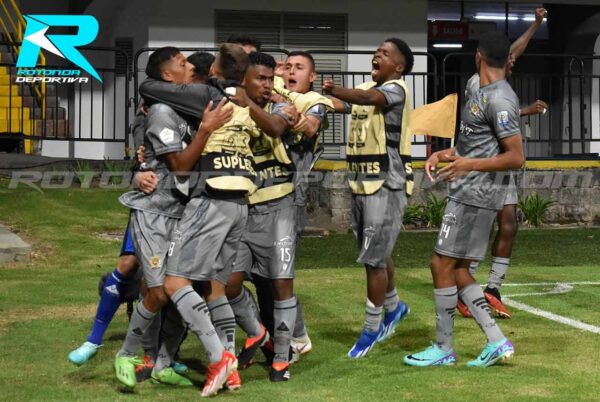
233,382
432,356
83,353
279,372
169,376
217,373
125,369
251,346
392,318
300,346
143,371
492,353
365,343
463,309
179,367
495,302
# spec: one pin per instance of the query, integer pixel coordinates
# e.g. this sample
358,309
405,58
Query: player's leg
301,343
501,252
150,233
282,272
445,293
244,308
377,220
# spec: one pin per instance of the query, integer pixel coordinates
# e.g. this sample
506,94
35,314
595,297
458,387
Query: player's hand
144,109
540,14
431,166
301,125
146,181
292,113
539,106
457,167
276,98
140,154
328,85
241,97
279,68
214,119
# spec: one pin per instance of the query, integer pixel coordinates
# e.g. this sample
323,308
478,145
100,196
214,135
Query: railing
18,25
87,112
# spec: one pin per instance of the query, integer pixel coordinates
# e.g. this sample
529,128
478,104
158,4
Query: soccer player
507,216
153,216
380,177
268,244
489,143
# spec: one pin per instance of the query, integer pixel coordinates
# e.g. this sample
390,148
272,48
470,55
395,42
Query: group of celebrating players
220,198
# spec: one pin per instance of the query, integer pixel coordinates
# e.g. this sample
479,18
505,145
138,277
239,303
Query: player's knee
127,265
156,298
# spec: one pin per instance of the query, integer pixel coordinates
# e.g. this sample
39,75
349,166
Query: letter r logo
64,46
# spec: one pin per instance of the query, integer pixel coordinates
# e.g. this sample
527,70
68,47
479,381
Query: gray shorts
205,242
511,195
376,223
151,234
268,246
465,231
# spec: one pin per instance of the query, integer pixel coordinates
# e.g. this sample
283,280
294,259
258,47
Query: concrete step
53,128
59,113
13,248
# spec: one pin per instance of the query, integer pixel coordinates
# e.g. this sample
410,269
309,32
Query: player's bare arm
519,46
355,96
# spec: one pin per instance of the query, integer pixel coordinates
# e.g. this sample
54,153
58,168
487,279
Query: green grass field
47,307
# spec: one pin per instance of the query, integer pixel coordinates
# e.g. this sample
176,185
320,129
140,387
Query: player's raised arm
518,47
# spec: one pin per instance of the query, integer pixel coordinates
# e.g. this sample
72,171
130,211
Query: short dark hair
233,61
495,48
201,62
243,40
406,52
157,59
262,59
304,54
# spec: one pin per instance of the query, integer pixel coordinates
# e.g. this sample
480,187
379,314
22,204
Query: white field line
559,288
549,284
551,316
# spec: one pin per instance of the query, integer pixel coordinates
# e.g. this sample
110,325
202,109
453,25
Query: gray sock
150,338
391,300
445,307
373,317
245,316
223,319
299,327
473,297
284,316
141,319
252,302
195,313
473,267
498,272
172,332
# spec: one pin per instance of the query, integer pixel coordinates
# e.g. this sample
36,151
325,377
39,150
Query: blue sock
110,300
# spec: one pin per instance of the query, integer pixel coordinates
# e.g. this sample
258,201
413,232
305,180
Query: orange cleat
234,381
217,373
463,309
495,302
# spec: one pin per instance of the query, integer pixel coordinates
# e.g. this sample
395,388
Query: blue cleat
432,356
365,343
83,353
391,320
492,353
179,367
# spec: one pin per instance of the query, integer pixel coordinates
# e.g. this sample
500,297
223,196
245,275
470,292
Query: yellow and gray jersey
489,116
166,132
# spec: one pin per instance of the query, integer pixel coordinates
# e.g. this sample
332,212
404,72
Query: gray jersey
301,154
392,114
489,116
138,129
166,132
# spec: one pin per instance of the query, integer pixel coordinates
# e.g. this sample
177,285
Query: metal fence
91,111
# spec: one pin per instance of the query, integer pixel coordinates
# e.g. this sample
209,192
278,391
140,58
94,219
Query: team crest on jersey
167,135
155,262
475,109
502,119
